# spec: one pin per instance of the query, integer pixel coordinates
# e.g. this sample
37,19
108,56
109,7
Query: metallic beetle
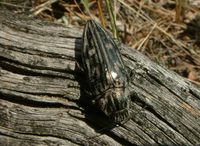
105,72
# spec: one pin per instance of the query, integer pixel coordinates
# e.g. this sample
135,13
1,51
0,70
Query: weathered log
41,102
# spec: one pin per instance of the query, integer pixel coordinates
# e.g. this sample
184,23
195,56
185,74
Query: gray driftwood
40,93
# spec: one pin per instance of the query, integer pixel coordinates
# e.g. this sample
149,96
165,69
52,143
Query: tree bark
40,93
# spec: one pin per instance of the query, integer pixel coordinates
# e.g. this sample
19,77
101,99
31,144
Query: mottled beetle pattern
105,72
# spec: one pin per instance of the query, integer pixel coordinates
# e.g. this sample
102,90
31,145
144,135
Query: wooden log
41,102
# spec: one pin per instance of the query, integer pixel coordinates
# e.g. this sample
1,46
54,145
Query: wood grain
41,102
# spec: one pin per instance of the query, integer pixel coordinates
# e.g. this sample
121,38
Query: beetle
105,72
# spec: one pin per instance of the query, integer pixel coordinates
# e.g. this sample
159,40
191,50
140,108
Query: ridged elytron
105,72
